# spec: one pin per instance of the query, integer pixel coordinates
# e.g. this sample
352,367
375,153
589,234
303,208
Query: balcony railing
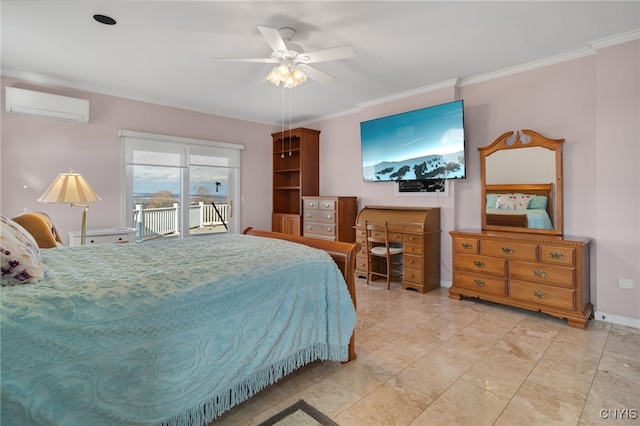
165,221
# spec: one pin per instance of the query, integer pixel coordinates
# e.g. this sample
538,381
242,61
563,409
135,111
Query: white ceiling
162,51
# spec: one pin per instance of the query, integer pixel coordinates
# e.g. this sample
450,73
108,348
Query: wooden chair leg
388,272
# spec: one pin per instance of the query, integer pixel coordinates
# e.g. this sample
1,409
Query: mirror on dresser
521,174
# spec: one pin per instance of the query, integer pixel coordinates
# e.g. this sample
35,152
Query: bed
170,333
520,205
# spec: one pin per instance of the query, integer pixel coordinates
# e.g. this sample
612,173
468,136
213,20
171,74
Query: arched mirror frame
523,140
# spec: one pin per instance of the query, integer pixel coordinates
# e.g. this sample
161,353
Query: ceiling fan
293,67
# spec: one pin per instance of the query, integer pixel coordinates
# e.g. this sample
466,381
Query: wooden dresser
418,230
542,273
329,218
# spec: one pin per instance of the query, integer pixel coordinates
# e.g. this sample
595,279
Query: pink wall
592,102
35,150
617,179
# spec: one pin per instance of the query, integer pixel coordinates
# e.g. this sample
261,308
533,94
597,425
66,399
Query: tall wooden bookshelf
296,173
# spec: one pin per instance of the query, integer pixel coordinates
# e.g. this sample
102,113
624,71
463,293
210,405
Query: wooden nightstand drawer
482,264
465,245
542,294
542,273
560,255
483,283
509,249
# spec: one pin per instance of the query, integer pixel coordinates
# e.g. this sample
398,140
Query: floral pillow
513,201
20,253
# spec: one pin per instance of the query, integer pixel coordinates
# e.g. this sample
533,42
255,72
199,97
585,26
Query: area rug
299,414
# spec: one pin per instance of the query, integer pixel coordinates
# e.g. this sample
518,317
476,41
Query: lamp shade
69,188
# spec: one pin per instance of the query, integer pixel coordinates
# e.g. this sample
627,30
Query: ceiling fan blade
272,36
332,54
319,76
262,60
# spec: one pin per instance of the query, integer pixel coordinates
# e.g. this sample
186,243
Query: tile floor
425,359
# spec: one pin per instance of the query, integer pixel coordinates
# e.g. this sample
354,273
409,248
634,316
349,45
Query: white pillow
20,254
513,201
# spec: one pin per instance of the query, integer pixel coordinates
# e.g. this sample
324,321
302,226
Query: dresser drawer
542,294
361,262
326,204
559,255
466,245
542,273
412,275
393,236
482,264
483,283
320,229
412,261
509,249
310,205
319,216
412,239
413,248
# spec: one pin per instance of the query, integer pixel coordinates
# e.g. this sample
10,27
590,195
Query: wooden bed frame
518,220
344,254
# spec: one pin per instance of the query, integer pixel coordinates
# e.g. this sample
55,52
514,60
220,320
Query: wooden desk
418,230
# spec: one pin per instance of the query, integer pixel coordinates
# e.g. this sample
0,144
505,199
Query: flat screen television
423,144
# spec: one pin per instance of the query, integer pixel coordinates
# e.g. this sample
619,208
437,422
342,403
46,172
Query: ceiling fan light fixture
283,72
298,76
274,77
291,76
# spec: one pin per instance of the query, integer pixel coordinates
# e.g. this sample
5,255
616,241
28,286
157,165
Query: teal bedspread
166,333
536,218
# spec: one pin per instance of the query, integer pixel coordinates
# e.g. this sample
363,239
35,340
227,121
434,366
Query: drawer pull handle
308,215
540,294
479,264
329,229
327,205
309,227
479,283
329,217
507,250
539,273
556,255
311,204
466,245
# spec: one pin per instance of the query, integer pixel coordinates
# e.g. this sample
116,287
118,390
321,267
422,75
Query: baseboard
617,319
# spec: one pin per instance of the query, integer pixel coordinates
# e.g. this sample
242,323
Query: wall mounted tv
424,144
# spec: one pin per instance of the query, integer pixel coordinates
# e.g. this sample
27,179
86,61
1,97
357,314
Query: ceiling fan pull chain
289,122
282,153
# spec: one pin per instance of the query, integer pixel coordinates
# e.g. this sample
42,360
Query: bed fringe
219,404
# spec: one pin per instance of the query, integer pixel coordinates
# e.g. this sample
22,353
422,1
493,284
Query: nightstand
104,236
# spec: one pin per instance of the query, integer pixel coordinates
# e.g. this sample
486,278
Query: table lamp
71,188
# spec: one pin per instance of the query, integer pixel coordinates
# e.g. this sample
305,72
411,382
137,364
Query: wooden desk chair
378,246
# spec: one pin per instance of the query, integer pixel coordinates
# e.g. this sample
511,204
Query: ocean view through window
177,188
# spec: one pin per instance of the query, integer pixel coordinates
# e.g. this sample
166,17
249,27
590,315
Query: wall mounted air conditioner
39,104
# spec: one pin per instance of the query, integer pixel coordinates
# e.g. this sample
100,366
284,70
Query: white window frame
131,139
